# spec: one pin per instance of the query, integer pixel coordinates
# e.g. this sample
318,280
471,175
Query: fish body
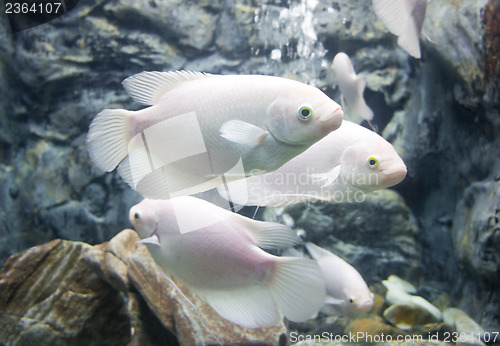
201,129
346,163
351,86
346,290
218,255
403,18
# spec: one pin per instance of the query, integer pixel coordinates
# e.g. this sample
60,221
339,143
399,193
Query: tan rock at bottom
50,296
408,315
367,330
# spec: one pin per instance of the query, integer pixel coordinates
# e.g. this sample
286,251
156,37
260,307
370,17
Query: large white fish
217,255
201,130
403,18
351,87
342,166
346,291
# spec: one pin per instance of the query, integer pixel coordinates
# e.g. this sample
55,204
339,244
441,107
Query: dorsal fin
316,252
147,87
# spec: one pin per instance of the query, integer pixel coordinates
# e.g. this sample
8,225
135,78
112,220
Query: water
438,229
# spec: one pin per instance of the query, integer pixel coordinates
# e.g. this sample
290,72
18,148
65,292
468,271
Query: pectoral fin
329,177
241,132
334,301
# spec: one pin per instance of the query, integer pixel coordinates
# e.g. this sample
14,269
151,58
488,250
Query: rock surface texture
439,229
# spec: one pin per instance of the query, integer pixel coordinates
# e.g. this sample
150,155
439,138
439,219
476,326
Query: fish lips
152,239
394,175
366,305
334,118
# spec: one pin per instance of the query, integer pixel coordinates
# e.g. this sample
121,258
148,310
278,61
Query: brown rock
370,330
50,296
408,315
109,260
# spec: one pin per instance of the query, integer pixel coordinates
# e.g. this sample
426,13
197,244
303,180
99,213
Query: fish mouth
154,238
367,305
338,113
395,170
395,174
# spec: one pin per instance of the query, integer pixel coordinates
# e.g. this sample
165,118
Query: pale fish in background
398,292
351,88
343,166
403,18
346,291
202,130
218,255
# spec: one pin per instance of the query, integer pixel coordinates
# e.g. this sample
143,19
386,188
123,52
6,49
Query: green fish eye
372,162
137,216
351,300
305,113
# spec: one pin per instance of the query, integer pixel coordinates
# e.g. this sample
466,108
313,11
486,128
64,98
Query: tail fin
108,137
298,288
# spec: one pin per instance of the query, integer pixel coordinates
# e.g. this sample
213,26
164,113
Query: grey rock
469,331
234,30
476,230
463,52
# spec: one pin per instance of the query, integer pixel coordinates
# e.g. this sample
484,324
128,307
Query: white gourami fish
218,255
202,130
351,87
346,290
403,18
346,163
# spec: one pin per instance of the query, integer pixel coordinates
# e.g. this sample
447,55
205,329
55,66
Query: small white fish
217,255
202,129
343,166
403,18
346,290
351,87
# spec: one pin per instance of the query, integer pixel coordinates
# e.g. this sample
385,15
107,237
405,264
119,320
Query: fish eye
137,216
305,113
372,162
351,300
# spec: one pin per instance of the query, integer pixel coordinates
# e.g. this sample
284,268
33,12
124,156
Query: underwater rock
66,292
469,331
375,235
371,330
461,53
407,310
408,315
476,230
50,296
